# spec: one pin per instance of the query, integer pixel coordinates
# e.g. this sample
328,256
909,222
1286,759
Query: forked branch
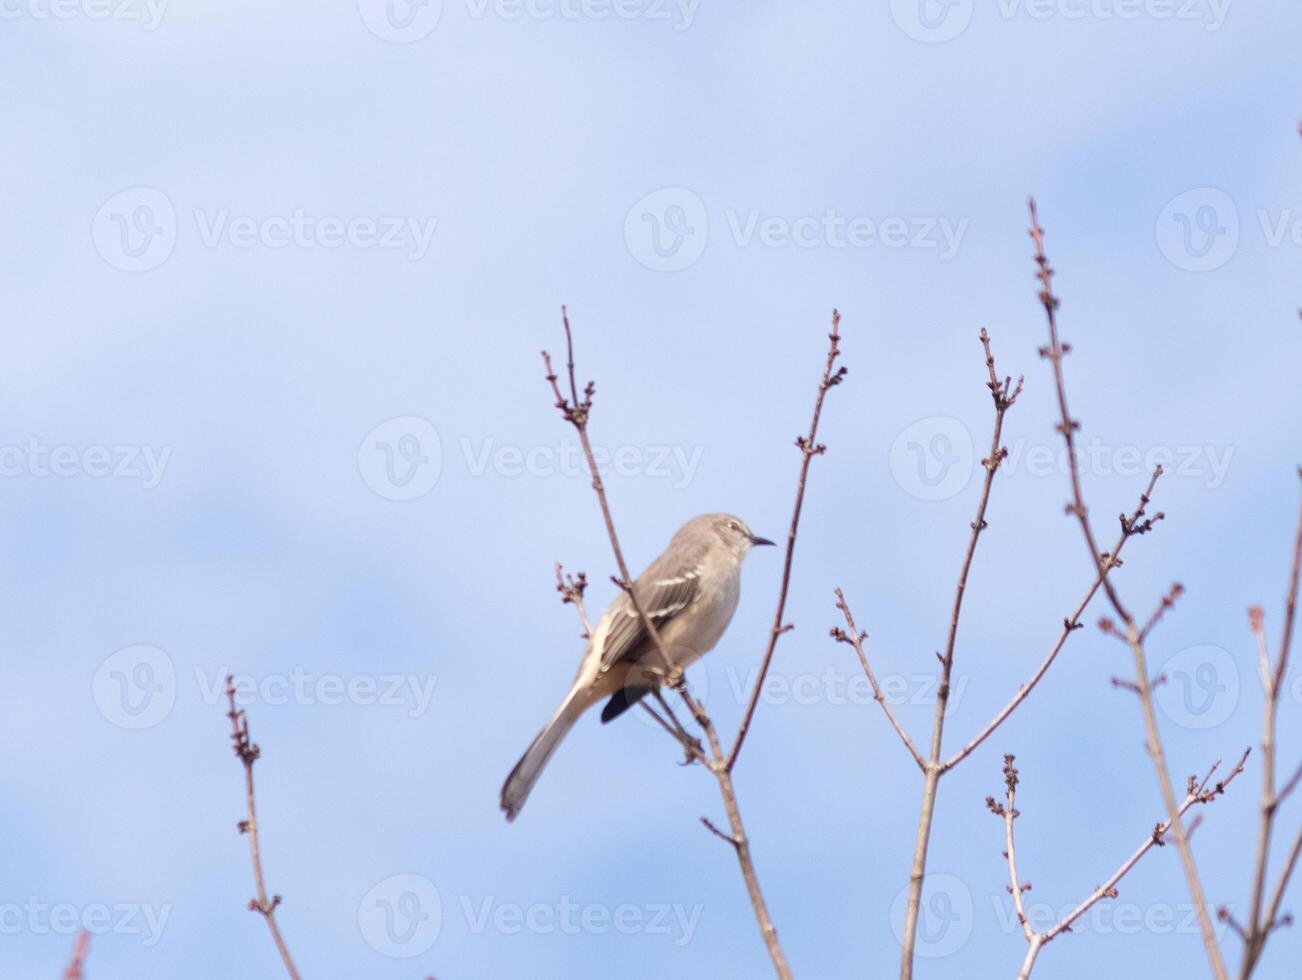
1198,792
1004,394
1264,918
576,409
1135,524
1132,633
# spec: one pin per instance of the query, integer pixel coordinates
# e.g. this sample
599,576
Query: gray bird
690,593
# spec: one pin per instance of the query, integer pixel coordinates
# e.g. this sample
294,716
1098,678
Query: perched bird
690,593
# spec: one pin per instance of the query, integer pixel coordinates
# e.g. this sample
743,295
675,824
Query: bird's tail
526,772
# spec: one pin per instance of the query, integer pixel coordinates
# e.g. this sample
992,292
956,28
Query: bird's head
736,536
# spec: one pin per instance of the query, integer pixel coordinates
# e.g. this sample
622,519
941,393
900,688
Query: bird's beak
754,540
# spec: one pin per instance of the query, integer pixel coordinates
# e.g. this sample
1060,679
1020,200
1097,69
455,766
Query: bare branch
248,753
572,588
1199,792
855,639
576,411
1289,786
1054,353
1009,813
709,825
1003,396
1130,527
1273,918
1272,681
1167,602
809,448
79,949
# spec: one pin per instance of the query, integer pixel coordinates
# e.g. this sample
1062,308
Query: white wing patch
679,580
664,599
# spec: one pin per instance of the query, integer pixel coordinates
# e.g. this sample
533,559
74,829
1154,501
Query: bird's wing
664,590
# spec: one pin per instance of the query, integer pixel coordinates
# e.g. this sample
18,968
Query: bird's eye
732,525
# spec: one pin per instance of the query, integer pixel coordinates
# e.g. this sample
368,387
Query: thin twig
248,753
1168,600
1273,917
1289,786
1054,353
1004,395
576,411
809,448
572,588
1200,793
1272,681
1131,526
1009,813
855,638
79,949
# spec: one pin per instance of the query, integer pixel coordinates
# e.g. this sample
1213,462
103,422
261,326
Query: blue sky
275,285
